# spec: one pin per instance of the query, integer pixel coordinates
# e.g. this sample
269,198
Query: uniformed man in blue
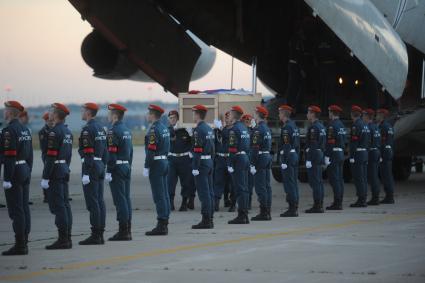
229,188
374,155
288,158
238,163
202,166
359,146
93,152
249,122
157,147
315,146
42,137
261,161
118,171
17,155
56,175
220,174
334,155
179,160
24,119
387,154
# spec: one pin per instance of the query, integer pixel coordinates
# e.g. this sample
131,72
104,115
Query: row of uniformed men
114,151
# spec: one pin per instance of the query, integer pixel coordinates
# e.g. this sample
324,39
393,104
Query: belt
263,152
388,146
60,161
337,149
159,157
94,158
240,152
373,148
282,152
179,154
222,154
292,61
20,162
121,162
205,156
360,149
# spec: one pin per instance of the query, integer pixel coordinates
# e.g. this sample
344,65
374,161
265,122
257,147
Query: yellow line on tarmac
126,258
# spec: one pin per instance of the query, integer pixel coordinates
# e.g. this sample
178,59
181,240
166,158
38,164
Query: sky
40,60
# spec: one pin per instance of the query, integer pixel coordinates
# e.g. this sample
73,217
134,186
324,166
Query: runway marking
126,258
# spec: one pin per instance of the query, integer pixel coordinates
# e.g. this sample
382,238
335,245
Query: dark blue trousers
204,186
18,208
240,180
158,179
262,180
316,182
179,169
58,198
373,172
120,190
335,175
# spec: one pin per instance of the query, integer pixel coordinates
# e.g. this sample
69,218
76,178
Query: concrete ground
374,244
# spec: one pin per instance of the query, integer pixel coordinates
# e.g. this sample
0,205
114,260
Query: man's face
84,114
247,122
172,119
151,117
366,118
195,116
380,117
24,119
52,114
233,116
353,117
310,116
110,116
227,119
282,116
6,114
50,123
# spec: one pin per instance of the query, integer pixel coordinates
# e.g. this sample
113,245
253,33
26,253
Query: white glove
327,160
380,159
44,183
108,177
253,124
190,155
351,160
195,172
7,185
175,127
253,170
230,169
146,172
218,124
86,180
189,131
284,166
308,164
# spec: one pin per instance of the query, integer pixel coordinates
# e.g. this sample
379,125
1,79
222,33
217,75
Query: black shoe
242,218
101,232
291,212
183,206
262,216
191,203
388,200
217,204
373,201
62,243
20,247
206,223
359,203
2,205
161,228
122,234
317,208
93,239
30,203
335,206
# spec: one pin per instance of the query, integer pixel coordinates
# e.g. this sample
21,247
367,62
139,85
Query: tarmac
385,243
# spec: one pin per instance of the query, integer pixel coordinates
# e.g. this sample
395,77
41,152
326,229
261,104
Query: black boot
183,206
172,207
374,200
93,239
250,203
62,243
317,208
161,228
191,203
336,205
20,247
232,207
242,218
129,230
217,204
269,213
359,203
291,212
206,223
262,216
44,196
122,234
389,199
101,232
227,202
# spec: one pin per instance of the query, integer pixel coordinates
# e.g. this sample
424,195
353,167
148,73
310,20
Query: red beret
262,110
369,111
156,108
62,107
91,106
199,108
237,108
173,112
23,114
383,111
335,108
314,108
45,116
246,117
115,106
356,108
14,104
286,107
